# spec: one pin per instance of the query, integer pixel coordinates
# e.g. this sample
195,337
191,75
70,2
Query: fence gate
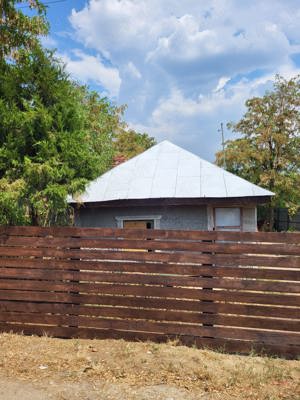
232,290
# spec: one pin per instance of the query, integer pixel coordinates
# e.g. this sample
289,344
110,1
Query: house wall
172,217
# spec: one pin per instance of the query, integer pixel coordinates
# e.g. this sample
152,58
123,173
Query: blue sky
182,67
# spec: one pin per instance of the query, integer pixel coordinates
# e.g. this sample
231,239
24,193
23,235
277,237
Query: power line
45,4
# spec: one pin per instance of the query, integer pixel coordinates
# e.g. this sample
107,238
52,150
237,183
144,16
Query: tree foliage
19,31
267,152
55,136
129,143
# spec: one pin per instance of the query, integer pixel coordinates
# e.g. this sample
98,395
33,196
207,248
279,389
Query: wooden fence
230,290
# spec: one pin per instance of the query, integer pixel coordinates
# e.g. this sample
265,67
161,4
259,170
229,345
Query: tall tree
55,136
267,152
19,31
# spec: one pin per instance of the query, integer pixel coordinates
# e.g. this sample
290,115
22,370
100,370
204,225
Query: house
167,187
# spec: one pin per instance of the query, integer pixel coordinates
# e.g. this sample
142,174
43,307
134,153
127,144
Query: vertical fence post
207,289
75,305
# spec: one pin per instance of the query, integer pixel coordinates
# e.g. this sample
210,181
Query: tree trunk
33,218
271,218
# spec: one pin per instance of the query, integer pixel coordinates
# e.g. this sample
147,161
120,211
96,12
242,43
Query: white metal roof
168,171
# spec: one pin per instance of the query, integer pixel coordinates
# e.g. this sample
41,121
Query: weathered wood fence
230,290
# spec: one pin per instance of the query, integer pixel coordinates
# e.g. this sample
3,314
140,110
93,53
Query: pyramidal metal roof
168,171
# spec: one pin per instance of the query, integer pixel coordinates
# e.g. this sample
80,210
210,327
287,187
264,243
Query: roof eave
215,201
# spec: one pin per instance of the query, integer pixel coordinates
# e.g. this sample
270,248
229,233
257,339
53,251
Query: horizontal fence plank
272,237
13,309
271,337
153,268
176,257
153,291
226,248
233,346
47,297
64,299
162,280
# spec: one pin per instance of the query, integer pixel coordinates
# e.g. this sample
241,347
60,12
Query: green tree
267,152
55,136
19,31
129,143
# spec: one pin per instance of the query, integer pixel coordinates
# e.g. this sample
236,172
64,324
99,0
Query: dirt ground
33,368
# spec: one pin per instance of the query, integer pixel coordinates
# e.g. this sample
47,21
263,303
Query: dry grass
200,372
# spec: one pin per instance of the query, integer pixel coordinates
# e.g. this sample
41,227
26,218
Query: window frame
236,228
155,218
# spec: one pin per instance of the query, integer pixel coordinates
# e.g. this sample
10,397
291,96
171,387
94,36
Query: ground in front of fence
41,368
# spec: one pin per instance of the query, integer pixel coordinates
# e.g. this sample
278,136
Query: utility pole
223,145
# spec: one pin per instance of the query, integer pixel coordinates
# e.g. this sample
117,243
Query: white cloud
194,123
133,71
192,54
91,69
186,65
222,82
111,24
180,38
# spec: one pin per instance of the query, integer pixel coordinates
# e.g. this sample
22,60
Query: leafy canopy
267,152
55,136
129,143
19,31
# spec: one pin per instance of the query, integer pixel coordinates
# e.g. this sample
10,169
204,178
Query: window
139,222
227,219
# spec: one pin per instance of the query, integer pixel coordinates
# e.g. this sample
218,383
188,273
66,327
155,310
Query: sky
182,67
